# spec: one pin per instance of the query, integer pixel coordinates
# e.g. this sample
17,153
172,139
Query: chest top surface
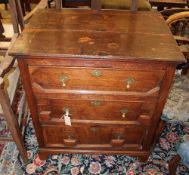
103,34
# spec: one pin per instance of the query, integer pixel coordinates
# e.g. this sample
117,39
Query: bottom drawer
94,136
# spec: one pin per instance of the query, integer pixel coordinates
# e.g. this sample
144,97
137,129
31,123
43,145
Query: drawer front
95,136
95,109
95,79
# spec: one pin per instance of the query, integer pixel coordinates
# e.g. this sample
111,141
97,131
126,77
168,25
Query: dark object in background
1,30
76,3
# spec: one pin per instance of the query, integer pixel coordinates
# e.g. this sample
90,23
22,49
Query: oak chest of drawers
96,82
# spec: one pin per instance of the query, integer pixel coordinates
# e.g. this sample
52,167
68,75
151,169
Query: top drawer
95,79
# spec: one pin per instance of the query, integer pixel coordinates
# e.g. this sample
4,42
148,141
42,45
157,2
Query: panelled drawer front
96,109
95,79
93,136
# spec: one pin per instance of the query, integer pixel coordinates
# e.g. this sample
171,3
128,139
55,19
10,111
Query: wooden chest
109,72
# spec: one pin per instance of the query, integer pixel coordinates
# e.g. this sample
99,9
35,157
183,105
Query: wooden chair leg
12,124
58,4
28,7
1,16
173,164
6,6
96,4
1,28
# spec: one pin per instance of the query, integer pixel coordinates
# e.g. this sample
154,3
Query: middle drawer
95,109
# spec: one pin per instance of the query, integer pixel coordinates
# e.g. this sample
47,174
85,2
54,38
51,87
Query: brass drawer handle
124,112
66,110
70,140
96,73
96,103
66,113
118,136
64,79
129,81
118,141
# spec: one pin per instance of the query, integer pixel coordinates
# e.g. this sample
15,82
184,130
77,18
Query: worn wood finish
123,31
111,75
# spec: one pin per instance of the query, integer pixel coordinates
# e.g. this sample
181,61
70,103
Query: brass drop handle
70,137
129,81
124,112
70,140
64,79
96,73
66,111
118,139
118,136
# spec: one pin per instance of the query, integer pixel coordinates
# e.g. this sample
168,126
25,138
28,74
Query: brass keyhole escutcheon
96,73
96,103
94,128
64,79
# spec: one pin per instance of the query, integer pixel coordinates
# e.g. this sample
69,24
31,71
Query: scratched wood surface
110,69
106,34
